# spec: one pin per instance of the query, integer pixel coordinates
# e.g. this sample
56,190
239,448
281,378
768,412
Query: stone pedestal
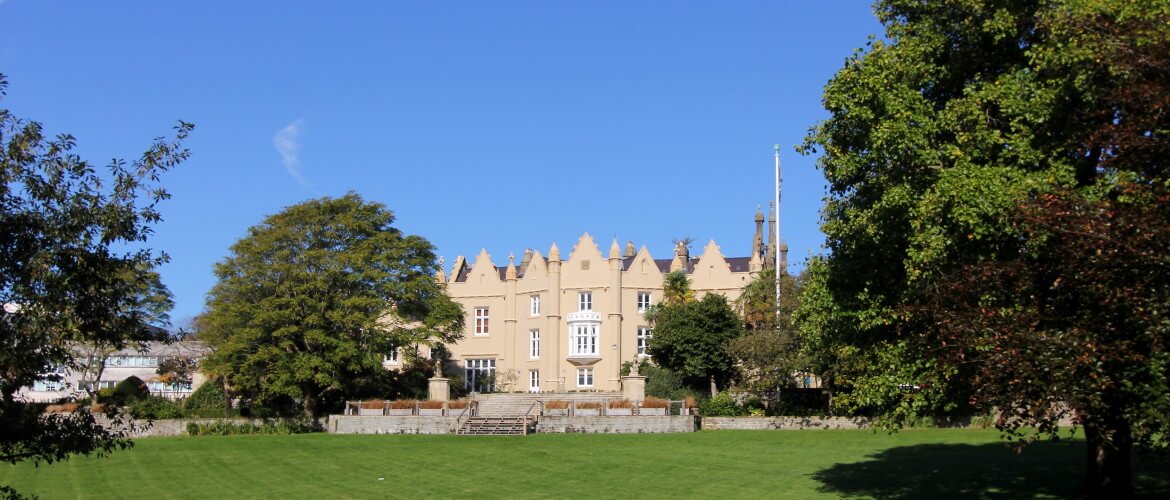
439,389
634,387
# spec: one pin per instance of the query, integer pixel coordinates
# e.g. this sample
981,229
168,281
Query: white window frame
476,368
583,339
585,376
533,380
390,358
482,321
644,336
534,305
533,344
644,300
585,300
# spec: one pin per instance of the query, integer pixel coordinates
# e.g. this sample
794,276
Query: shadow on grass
992,470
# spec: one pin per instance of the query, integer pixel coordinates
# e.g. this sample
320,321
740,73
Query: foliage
72,264
722,405
768,356
676,288
177,369
282,427
208,396
155,408
691,338
307,303
939,137
662,382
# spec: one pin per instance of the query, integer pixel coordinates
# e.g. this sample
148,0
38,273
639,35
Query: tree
309,301
676,288
690,337
938,141
72,262
769,354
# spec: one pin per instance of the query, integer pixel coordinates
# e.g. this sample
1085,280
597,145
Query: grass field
710,464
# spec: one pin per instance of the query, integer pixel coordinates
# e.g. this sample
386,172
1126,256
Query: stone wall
783,423
169,427
377,424
615,424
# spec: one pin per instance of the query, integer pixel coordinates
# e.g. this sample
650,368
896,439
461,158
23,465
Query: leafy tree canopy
690,337
309,301
971,119
73,269
769,354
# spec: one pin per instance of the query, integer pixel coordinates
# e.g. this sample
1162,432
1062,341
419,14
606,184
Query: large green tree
73,268
310,300
769,354
691,336
942,137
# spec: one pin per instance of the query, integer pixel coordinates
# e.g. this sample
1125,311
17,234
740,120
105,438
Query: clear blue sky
651,120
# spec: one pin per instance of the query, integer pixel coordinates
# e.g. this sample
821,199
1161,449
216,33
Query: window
481,321
643,301
48,385
583,339
90,385
585,301
534,344
584,377
534,306
480,375
174,387
135,361
644,334
390,358
533,380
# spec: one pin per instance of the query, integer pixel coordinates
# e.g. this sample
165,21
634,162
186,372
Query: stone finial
630,250
440,276
554,253
510,272
615,251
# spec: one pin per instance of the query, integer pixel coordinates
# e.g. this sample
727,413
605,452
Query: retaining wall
378,424
615,424
169,427
783,423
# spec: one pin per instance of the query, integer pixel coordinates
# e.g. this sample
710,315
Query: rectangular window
533,380
583,339
390,358
534,344
644,334
534,306
480,375
48,385
643,301
585,301
584,377
481,321
160,387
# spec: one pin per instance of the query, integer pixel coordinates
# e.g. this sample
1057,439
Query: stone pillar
439,389
634,387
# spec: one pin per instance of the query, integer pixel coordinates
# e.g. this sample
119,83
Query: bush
459,404
651,402
402,404
125,392
430,405
208,396
272,427
556,404
722,405
621,403
154,408
209,413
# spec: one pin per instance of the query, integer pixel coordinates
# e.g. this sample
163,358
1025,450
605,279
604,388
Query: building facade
568,323
138,361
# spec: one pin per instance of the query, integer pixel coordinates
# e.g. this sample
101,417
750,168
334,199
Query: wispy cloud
287,142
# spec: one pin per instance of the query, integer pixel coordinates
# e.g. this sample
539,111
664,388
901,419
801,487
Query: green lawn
709,464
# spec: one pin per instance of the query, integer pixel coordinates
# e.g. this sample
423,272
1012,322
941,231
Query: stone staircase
511,414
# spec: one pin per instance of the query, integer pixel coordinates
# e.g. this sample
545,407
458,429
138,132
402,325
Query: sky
482,125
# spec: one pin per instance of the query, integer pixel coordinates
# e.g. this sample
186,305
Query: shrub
722,405
226,428
556,404
376,404
208,396
209,413
459,404
154,408
588,405
689,402
655,403
402,404
430,405
128,391
621,403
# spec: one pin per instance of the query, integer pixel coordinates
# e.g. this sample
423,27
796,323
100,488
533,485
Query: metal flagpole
776,156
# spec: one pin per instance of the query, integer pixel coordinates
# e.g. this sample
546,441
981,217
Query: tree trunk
714,388
1107,465
309,403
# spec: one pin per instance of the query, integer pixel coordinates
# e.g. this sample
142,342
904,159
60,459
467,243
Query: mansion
567,323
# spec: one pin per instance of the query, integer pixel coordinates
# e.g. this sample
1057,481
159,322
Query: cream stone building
567,323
